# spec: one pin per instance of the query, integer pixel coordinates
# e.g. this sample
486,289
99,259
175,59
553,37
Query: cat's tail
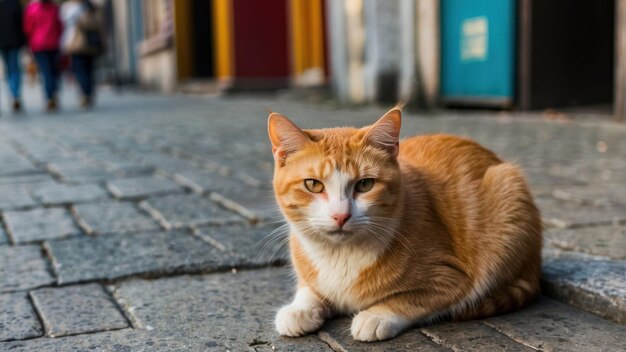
505,299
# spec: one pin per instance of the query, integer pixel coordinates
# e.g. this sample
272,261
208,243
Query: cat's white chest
338,271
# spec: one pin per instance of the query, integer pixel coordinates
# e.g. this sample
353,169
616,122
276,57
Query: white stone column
346,39
407,78
383,50
428,51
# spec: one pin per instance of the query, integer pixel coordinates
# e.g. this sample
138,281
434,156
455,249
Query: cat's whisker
278,248
397,235
279,235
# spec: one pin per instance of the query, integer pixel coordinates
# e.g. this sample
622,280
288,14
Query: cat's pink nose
341,219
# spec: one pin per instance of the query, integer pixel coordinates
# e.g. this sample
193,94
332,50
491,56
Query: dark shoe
86,103
52,105
17,105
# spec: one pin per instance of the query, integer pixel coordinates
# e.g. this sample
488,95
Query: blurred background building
524,54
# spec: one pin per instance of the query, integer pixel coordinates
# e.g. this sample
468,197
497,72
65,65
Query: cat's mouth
338,232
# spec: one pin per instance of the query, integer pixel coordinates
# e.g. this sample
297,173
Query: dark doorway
261,46
566,53
202,34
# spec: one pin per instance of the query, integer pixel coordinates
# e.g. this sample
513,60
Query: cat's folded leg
305,314
387,319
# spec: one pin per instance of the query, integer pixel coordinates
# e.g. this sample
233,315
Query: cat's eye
364,185
313,185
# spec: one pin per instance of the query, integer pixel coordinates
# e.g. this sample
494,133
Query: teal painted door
478,51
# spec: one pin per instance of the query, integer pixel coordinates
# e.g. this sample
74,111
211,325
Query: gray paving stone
215,181
608,241
15,164
121,255
57,165
207,181
224,307
113,217
337,334
123,340
472,336
548,325
540,180
163,162
77,309
66,194
40,224
4,238
263,180
596,194
25,179
82,174
254,203
549,252
23,267
18,320
250,170
141,187
562,214
187,210
249,245
595,286
17,168
129,169
14,197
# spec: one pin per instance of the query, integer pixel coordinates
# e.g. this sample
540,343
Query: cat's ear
285,136
385,133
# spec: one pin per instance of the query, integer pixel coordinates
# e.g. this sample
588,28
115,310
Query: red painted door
260,39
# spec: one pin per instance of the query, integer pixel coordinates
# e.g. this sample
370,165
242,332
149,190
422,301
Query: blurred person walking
83,42
11,40
43,29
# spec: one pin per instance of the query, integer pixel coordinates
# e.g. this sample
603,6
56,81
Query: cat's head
338,185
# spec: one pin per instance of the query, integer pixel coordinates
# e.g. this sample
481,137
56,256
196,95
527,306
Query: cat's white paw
294,320
368,326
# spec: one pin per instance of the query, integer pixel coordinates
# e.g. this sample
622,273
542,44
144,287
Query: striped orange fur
403,232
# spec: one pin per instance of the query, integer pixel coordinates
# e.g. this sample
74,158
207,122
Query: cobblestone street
145,225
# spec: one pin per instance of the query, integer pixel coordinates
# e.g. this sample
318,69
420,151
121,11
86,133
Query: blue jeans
48,64
82,66
11,58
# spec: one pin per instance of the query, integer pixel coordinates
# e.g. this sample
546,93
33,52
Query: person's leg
89,69
48,67
56,71
3,55
79,69
14,72
45,68
82,66
14,75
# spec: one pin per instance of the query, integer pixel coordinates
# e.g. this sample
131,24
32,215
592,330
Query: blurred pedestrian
11,40
43,30
83,42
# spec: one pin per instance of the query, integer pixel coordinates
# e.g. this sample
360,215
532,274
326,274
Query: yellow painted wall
223,38
307,35
183,39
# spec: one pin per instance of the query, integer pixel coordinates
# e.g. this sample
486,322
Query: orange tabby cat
400,233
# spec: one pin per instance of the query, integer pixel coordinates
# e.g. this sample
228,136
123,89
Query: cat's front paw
368,326
293,320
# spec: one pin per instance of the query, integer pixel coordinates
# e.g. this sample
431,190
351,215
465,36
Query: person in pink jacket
43,29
